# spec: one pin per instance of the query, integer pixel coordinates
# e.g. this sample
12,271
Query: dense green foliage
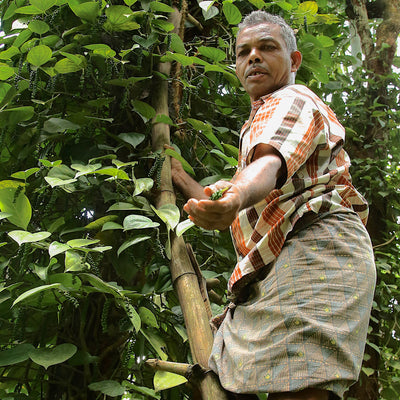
86,294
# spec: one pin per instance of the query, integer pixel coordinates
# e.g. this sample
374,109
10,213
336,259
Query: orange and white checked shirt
307,134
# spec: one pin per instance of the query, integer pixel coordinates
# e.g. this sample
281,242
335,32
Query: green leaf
121,206
206,130
213,53
87,11
180,58
15,355
26,34
230,160
113,172
68,281
186,166
157,6
56,355
54,182
133,138
6,72
206,5
102,50
165,380
26,237
99,222
133,316
325,41
231,12
56,248
25,174
35,291
183,227
284,5
163,25
156,341
4,215
13,116
143,185
210,13
108,388
78,243
55,125
260,4
368,371
120,18
13,201
74,261
146,111
100,285
66,66
30,10
132,242
177,44
85,169
43,5
108,226
39,27
169,214
147,317
9,53
138,222
308,7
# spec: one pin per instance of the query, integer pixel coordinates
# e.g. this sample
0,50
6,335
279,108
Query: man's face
263,63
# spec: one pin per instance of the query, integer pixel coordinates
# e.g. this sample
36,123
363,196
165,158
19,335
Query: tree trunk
183,276
378,59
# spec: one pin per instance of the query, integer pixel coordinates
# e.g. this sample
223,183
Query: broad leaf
35,291
165,380
183,227
54,125
108,388
88,10
169,214
15,355
186,166
131,242
231,12
138,222
56,248
39,27
13,201
52,356
43,5
74,261
26,237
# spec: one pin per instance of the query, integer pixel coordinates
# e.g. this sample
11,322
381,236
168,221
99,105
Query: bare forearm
257,180
188,186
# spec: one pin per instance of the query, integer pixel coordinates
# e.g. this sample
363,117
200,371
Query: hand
215,214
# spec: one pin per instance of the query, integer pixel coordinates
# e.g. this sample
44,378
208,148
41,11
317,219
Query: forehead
259,32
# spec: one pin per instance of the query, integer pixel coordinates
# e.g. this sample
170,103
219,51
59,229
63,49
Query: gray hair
262,17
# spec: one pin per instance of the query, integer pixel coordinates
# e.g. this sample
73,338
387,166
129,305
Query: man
303,284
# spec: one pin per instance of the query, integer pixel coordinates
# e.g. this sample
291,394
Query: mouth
256,72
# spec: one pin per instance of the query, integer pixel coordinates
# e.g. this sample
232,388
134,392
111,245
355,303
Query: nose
254,56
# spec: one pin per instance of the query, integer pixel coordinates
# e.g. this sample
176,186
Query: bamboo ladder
189,288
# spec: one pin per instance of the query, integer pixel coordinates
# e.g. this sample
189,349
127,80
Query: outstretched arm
185,183
249,187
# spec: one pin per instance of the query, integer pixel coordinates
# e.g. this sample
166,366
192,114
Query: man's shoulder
295,90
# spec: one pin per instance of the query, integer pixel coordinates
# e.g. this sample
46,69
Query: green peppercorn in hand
219,193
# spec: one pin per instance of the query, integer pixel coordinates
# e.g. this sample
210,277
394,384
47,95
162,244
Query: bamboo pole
183,276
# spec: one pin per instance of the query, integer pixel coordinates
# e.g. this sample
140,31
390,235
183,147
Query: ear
296,58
